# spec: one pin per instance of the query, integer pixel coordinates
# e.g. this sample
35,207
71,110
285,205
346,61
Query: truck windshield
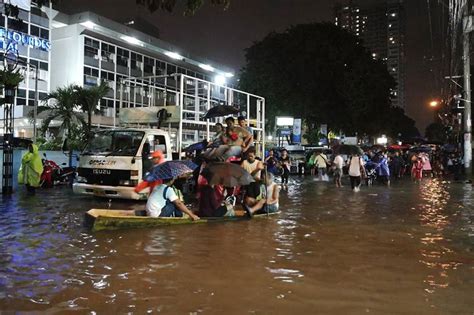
113,142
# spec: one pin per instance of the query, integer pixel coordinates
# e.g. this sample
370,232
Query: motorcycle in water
53,174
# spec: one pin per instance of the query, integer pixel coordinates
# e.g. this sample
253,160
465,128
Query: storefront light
382,140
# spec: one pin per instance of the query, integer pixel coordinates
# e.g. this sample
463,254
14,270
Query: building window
18,25
160,67
107,52
191,73
91,48
171,69
34,30
21,101
91,76
148,65
39,64
107,76
91,43
122,57
43,66
136,61
106,103
44,33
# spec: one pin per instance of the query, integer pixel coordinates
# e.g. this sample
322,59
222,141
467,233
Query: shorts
267,209
271,208
337,173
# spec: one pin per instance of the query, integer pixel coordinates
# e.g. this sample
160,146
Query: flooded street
403,249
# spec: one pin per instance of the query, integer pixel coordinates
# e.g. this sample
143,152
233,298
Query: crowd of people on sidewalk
372,166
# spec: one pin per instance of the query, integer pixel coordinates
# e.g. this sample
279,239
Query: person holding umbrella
221,174
164,201
157,157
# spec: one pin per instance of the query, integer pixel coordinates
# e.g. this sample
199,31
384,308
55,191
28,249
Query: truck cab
115,160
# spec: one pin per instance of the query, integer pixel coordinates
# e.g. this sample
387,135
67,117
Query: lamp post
467,28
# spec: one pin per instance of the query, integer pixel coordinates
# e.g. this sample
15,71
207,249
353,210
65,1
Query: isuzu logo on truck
101,172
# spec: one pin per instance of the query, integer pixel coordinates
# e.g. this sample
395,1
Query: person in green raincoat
31,169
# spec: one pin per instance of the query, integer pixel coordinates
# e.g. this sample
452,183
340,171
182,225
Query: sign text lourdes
9,40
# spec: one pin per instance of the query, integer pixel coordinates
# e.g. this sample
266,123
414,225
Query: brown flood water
407,249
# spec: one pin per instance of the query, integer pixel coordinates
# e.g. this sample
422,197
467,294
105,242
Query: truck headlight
128,182
125,182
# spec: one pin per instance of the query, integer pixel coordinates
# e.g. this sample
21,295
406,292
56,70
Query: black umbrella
199,146
349,149
221,110
424,149
226,174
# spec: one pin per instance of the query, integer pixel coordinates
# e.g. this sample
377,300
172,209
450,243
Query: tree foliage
190,6
322,74
399,125
64,108
435,132
88,99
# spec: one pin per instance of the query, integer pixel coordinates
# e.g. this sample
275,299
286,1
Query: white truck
115,160
168,119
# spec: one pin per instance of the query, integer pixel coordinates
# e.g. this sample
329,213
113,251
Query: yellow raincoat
31,168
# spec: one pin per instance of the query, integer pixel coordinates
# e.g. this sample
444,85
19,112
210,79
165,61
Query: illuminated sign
284,121
9,40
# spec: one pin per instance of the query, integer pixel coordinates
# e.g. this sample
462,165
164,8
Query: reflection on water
435,251
400,249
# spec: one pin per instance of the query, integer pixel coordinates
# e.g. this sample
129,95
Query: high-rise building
381,28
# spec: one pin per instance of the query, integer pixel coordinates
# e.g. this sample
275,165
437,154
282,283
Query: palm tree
63,107
89,98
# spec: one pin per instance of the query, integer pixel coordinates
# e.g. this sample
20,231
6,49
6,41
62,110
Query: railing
194,97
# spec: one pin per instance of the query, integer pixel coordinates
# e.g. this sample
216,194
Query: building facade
94,49
85,49
381,26
27,41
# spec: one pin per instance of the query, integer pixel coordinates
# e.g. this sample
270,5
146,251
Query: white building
30,38
87,48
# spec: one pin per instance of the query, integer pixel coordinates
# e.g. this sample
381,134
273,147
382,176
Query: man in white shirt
164,202
337,166
356,170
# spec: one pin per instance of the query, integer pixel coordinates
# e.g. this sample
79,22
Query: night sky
222,36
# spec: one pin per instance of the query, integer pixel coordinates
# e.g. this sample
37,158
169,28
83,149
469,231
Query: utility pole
467,29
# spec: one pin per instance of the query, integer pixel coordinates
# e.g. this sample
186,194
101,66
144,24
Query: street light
434,103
